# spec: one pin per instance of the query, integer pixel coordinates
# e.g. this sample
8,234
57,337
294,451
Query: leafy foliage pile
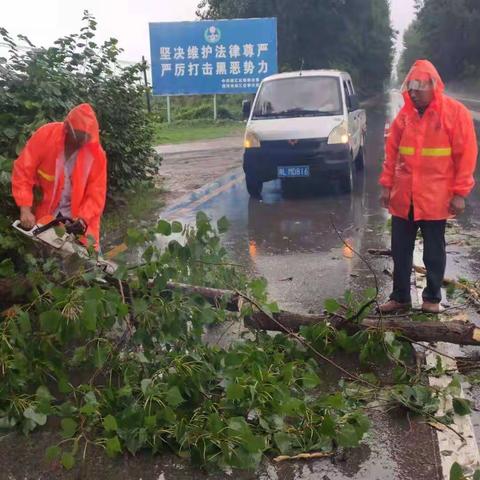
446,32
40,85
355,35
125,365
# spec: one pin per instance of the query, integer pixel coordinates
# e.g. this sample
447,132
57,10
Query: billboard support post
215,107
169,111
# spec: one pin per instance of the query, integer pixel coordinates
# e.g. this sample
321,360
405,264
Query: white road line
452,448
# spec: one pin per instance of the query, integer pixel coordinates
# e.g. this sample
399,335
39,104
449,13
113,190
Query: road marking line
185,211
452,448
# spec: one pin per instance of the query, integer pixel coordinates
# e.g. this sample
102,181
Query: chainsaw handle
53,223
18,226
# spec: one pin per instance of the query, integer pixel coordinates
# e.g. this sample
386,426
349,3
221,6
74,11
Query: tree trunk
463,333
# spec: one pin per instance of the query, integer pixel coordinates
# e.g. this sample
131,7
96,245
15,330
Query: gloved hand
77,227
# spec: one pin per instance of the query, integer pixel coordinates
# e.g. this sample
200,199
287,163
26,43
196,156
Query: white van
304,124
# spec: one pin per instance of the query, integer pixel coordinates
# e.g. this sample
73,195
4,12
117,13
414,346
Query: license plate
301,171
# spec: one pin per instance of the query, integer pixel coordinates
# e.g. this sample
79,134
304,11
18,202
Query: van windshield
299,97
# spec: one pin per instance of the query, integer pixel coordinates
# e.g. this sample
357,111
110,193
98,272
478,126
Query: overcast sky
127,20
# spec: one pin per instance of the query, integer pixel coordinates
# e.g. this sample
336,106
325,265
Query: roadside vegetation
447,34
188,131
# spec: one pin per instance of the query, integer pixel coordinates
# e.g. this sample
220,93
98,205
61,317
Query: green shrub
41,85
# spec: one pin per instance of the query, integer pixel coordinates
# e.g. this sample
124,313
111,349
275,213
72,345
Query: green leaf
174,397
177,227
476,475
235,392
223,225
461,406
36,417
69,427
456,472
68,460
10,132
53,453
89,315
50,321
100,356
113,446
7,269
110,423
144,384
331,305
80,355
347,436
284,442
164,228
311,380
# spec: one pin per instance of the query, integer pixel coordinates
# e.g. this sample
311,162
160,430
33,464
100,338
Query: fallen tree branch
463,333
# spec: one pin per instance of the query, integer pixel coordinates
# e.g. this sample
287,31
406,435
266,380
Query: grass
196,130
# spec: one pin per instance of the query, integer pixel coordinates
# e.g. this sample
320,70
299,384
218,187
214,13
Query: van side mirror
246,108
354,104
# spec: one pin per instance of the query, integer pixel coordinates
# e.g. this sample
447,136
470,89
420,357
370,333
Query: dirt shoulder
188,166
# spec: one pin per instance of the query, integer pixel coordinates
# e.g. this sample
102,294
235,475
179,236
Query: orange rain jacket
429,159
41,164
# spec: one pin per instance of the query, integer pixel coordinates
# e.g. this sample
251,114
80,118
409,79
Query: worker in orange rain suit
431,153
69,166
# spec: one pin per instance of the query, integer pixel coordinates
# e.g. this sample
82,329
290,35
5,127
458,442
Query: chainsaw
64,240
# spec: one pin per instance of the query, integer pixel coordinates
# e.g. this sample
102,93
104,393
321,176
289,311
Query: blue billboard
212,56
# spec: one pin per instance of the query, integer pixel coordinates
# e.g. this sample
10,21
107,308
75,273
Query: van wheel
346,181
254,186
360,160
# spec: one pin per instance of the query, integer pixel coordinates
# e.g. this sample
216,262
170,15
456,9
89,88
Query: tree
354,35
446,32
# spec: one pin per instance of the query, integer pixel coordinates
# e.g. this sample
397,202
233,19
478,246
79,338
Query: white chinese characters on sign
178,53
221,68
193,69
166,67
192,52
219,60
165,53
179,69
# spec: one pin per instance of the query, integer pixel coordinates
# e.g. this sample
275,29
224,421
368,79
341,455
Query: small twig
462,438
409,423
304,456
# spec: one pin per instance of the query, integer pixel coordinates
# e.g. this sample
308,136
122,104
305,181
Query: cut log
462,333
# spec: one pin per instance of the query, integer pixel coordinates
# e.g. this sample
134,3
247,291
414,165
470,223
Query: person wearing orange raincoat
67,163
430,159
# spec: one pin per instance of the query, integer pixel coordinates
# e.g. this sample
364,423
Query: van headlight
339,134
251,140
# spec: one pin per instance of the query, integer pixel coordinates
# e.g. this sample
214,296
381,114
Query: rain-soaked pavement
292,242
